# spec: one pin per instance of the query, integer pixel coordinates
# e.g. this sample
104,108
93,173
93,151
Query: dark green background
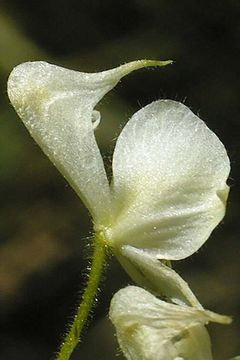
44,228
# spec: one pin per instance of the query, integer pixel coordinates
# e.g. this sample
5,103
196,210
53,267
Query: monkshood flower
168,189
151,329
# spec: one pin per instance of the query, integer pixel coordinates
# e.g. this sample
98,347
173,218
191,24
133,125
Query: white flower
151,329
168,190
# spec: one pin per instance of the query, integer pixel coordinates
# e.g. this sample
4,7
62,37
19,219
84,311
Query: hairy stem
73,337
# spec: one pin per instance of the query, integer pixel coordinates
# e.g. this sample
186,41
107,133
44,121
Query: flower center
105,233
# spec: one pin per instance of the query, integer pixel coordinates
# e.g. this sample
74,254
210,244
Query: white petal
169,181
56,105
156,277
151,329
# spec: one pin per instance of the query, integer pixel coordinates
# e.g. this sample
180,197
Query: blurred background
44,228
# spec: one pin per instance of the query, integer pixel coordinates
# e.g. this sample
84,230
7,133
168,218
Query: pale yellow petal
169,181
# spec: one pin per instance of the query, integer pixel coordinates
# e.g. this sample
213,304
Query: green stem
73,337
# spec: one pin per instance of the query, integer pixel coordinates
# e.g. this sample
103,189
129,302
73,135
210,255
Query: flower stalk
74,335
